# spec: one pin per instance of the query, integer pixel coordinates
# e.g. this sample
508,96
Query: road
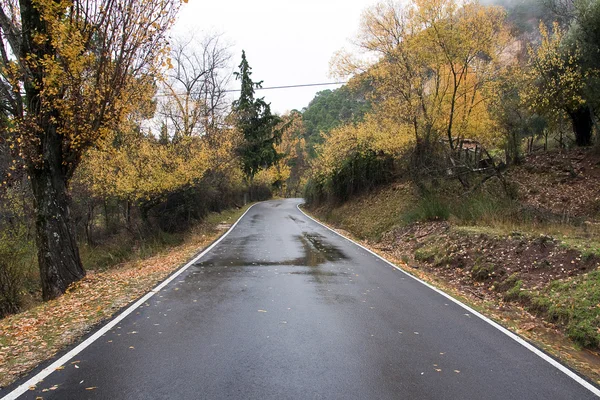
283,308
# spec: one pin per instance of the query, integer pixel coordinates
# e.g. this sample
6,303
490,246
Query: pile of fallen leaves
28,338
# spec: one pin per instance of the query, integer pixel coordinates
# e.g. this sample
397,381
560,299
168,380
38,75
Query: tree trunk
582,121
58,254
89,224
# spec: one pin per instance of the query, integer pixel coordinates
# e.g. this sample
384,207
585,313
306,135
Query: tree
195,87
585,35
69,72
257,125
557,81
292,163
433,61
332,108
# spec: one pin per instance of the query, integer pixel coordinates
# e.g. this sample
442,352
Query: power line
293,86
271,87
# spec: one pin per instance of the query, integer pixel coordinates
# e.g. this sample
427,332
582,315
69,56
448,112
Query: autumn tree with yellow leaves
70,72
556,82
434,66
432,62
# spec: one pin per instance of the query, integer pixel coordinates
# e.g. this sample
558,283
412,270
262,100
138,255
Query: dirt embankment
564,184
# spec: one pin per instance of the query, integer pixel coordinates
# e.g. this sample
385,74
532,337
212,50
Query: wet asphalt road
283,308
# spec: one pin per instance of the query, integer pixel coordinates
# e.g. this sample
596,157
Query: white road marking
33,381
502,329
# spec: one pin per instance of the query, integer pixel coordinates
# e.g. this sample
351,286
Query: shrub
17,270
429,207
359,173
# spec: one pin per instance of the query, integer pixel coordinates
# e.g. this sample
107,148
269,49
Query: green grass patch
574,304
427,208
427,253
482,272
516,292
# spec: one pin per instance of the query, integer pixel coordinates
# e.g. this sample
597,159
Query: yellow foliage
140,168
88,65
434,62
554,80
376,133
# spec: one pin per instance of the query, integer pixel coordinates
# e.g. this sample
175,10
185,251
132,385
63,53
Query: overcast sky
286,42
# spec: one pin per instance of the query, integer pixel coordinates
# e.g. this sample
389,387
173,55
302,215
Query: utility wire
293,86
270,87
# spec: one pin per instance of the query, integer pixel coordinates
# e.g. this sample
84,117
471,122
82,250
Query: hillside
531,263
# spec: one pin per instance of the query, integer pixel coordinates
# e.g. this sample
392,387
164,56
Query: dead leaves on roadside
35,335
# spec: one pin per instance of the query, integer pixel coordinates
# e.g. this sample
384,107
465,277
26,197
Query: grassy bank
30,337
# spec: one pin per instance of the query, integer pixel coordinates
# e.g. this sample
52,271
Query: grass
575,304
30,337
427,208
481,272
370,215
123,247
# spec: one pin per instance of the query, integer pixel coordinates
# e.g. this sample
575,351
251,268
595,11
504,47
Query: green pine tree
257,123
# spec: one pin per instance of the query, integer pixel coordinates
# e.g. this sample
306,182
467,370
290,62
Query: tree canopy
257,124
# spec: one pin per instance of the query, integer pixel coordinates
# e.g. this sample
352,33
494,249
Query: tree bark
582,121
89,224
58,253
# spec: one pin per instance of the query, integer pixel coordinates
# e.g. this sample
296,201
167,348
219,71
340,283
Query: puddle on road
297,220
314,271
316,253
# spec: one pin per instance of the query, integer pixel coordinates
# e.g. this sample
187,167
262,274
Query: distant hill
332,108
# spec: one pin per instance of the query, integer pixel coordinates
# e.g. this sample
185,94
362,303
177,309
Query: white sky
286,42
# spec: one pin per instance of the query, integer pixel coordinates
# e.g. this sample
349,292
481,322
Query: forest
118,140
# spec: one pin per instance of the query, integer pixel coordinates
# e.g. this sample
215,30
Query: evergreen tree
258,125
